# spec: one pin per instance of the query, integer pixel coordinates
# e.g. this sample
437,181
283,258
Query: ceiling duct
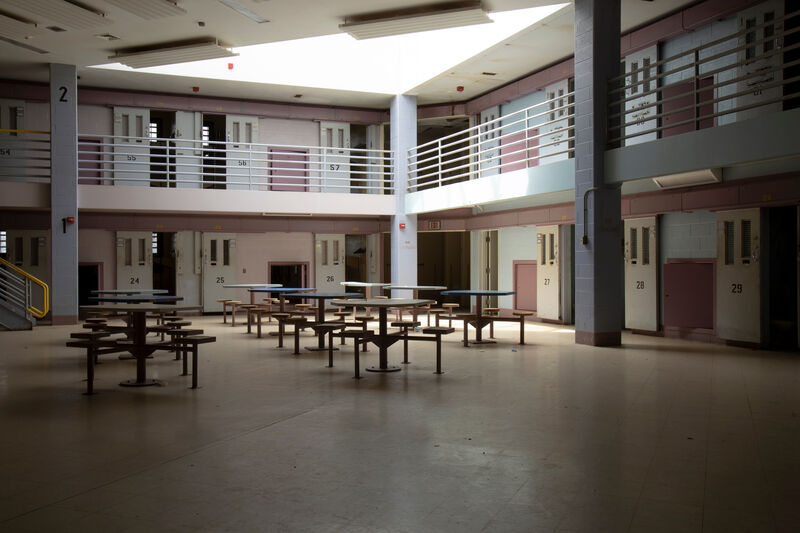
149,9
689,179
171,54
68,14
17,30
412,20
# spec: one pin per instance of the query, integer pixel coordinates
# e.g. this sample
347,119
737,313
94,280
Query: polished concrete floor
657,435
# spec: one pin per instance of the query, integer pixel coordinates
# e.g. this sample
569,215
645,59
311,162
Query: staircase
16,308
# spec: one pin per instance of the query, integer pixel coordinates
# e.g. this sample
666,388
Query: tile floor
656,436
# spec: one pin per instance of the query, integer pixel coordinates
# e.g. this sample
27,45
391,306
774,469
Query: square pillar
599,296
64,194
404,239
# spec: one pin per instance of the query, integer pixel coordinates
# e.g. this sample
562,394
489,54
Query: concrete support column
404,239
599,302
64,194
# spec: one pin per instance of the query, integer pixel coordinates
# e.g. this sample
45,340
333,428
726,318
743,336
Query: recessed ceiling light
239,8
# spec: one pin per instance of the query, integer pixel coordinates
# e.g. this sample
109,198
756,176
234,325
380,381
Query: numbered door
555,131
760,59
243,170
188,150
641,274
131,146
30,251
329,262
134,260
188,267
739,275
489,148
219,268
641,95
548,296
335,141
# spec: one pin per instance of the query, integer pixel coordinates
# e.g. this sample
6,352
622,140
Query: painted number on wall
736,288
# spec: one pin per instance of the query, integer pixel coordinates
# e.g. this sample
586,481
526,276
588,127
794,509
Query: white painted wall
283,131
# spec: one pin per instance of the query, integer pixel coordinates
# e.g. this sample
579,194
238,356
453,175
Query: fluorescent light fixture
689,179
239,8
65,13
149,9
169,55
16,29
414,21
285,214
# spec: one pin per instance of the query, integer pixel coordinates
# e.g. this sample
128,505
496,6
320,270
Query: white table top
363,284
415,287
130,291
144,306
252,286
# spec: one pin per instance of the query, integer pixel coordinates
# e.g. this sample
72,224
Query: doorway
90,276
355,259
162,151
288,274
164,261
783,277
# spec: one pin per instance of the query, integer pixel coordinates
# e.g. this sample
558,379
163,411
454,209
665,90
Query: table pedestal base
390,368
134,383
483,341
320,349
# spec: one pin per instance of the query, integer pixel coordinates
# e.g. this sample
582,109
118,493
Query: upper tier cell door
246,165
335,142
131,146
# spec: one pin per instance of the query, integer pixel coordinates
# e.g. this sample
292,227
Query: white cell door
219,268
241,165
489,147
554,141
134,260
641,274
131,146
334,138
641,95
548,295
187,149
329,261
188,267
760,59
739,275
30,250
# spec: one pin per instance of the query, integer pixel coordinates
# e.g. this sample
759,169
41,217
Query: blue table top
328,295
471,292
278,290
137,298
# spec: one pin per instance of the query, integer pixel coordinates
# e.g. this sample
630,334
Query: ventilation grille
63,13
149,9
169,55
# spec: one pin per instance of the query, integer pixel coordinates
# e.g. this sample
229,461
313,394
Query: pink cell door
516,149
677,106
525,285
288,170
689,294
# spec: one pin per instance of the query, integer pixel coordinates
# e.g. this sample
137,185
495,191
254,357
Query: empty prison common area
399,266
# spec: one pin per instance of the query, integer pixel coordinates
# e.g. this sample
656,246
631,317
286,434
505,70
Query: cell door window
212,254
128,249
645,246
226,252
634,244
142,249
19,252
34,251
3,242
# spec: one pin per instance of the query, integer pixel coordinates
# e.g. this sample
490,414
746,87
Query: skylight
387,65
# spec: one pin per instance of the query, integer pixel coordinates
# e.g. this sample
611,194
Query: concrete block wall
688,235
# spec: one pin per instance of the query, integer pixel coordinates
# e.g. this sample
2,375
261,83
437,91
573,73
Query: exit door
131,146
739,275
548,296
219,268
134,260
329,262
240,133
335,141
641,274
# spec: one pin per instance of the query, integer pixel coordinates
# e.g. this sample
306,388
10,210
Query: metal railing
741,75
15,289
539,134
24,155
203,164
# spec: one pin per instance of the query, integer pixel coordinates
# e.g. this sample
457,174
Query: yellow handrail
38,313
6,130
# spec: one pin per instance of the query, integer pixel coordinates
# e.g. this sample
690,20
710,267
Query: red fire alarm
402,225
70,220
460,88
196,89
230,66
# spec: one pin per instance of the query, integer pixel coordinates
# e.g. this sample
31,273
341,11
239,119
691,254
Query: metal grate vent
149,9
17,30
68,14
